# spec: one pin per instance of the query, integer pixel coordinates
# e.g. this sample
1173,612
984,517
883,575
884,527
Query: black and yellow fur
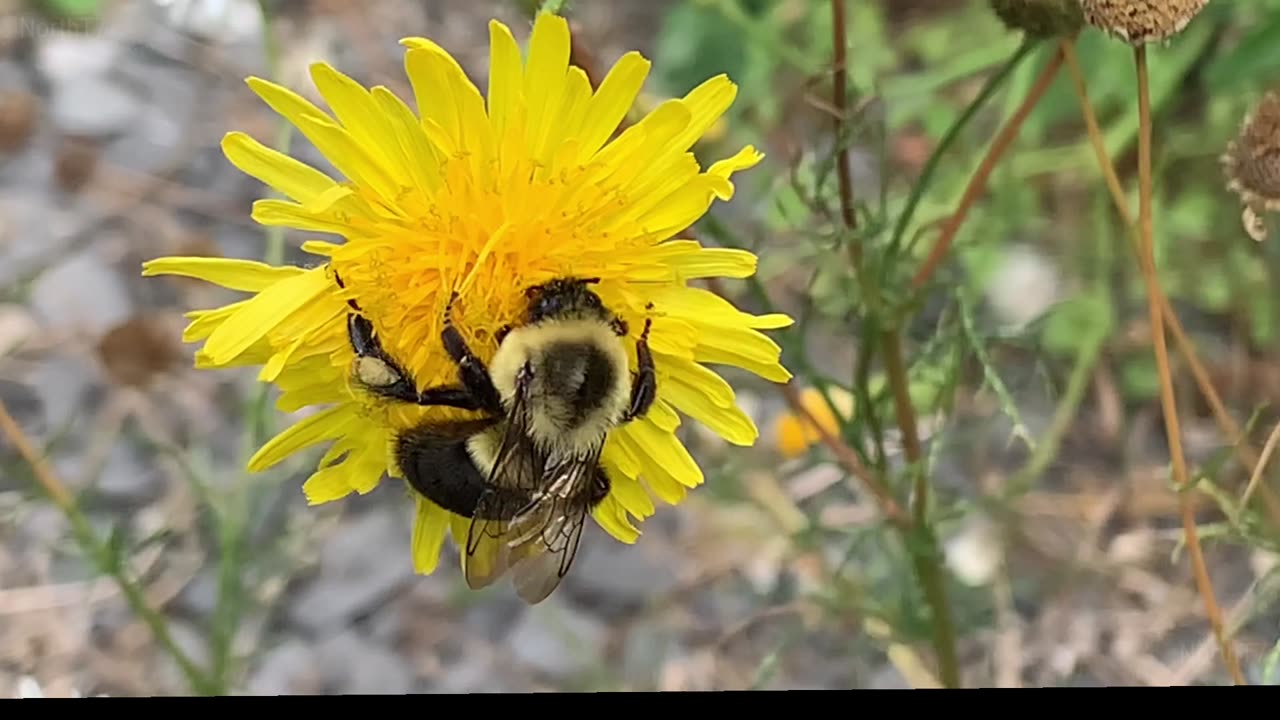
527,471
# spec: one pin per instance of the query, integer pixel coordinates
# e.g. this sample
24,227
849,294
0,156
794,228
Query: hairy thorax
578,380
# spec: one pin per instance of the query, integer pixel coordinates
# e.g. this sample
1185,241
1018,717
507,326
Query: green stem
108,559
931,166
1046,448
926,558
551,6
231,519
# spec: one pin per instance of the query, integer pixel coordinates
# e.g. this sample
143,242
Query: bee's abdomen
436,463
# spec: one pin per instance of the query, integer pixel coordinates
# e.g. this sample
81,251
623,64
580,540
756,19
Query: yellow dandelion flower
486,196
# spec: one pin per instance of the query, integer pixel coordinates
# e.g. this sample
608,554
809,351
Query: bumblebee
527,471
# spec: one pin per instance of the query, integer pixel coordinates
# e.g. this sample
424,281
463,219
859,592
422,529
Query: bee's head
565,299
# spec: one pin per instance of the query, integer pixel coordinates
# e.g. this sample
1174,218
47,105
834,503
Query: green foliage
921,81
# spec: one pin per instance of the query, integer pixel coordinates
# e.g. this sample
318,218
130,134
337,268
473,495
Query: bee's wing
555,526
530,516
510,488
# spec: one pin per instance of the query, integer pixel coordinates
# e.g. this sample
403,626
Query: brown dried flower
1138,22
1252,164
18,113
1040,18
140,349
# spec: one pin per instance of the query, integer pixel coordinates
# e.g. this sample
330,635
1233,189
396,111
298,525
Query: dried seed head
1040,18
18,113
1252,163
1138,22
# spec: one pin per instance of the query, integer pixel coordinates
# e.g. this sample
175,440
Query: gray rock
43,526
23,404
649,645
65,56
94,107
13,77
558,641
33,230
193,643
62,383
80,294
361,564
291,668
616,578
200,596
494,615
476,673
126,478
888,678
355,666
173,105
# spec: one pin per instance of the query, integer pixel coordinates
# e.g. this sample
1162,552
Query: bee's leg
381,375
471,370
351,303
645,388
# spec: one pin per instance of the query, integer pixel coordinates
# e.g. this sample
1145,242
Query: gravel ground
111,157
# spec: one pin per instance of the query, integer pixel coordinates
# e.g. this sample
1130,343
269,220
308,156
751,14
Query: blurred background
779,571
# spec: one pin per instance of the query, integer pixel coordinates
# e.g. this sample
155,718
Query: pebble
558,641
290,668
649,645
1023,287
474,673
33,231
62,383
193,643
615,578
94,107
16,327
172,108
200,596
361,564
355,666
43,526
223,21
974,555
80,294
126,479
23,404
13,77
63,57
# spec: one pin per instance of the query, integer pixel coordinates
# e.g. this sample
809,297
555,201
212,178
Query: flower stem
978,183
919,536
105,557
922,541
848,458
1245,452
840,81
935,159
1167,399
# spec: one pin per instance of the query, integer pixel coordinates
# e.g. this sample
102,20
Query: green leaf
70,9
1138,377
1069,323
1271,665
1255,56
